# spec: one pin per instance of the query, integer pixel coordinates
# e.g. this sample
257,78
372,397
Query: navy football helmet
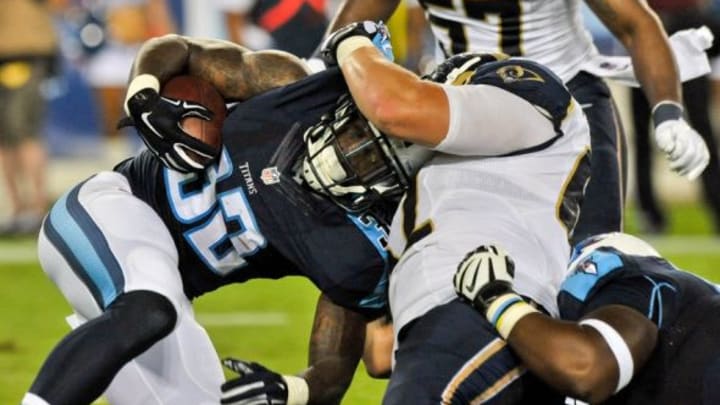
354,164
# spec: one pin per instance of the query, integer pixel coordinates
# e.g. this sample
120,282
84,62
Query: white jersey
547,31
525,200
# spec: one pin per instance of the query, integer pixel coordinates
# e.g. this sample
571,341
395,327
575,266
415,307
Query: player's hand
377,33
483,275
158,120
684,147
453,69
258,385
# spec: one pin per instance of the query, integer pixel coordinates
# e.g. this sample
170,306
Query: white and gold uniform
511,172
552,33
547,31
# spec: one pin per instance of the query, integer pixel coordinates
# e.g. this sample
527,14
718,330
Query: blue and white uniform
685,366
145,227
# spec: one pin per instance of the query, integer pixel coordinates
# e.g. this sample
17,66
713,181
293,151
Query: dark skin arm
237,72
336,345
359,10
575,359
639,29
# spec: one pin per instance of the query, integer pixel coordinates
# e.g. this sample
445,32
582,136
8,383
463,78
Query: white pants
101,241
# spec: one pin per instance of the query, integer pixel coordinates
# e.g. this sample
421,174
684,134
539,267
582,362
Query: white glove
483,275
683,146
485,279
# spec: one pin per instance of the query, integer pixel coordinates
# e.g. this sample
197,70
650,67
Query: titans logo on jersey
246,217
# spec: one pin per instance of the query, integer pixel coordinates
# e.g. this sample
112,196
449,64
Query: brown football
191,88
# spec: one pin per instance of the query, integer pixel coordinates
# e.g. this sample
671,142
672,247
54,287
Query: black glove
457,69
158,119
376,32
483,275
255,385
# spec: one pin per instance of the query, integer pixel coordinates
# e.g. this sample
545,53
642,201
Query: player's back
525,201
247,216
685,366
548,31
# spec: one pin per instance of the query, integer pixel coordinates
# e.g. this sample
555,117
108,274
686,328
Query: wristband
32,399
298,390
506,310
140,82
348,46
665,111
618,347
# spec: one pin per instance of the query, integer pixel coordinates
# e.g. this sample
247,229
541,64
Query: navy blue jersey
686,309
246,217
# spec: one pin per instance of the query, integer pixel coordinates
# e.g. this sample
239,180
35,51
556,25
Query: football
191,88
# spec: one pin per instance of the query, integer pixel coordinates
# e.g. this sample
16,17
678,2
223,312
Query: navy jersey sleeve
529,81
314,93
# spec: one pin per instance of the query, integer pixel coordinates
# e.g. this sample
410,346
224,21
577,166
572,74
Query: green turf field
267,321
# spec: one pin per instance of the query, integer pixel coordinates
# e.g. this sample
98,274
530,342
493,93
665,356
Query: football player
551,32
130,248
511,163
635,329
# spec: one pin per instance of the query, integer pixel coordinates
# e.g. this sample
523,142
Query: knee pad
143,316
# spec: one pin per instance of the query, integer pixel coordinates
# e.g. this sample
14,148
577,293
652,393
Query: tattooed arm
237,72
638,28
336,345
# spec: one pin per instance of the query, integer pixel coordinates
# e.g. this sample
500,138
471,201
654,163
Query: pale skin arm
237,72
395,99
639,29
575,359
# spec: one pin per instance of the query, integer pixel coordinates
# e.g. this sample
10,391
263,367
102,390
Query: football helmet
353,163
621,242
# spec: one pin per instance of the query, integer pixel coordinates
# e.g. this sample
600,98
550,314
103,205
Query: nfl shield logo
270,175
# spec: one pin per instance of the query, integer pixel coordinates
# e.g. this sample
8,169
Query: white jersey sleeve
489,121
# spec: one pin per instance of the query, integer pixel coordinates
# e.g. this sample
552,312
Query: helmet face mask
354,164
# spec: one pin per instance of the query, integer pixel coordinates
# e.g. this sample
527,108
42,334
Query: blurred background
74,59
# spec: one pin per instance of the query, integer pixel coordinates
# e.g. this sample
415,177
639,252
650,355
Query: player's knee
146,316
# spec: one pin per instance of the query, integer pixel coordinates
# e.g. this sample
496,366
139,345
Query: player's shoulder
530,81
594,271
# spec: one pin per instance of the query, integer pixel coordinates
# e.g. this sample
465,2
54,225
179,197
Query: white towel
688,46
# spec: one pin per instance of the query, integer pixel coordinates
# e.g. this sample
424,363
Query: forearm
654,64
564,355
235,71
639,29
394,99
359,10
336,346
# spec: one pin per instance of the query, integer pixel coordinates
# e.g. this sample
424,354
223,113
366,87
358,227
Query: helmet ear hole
352,162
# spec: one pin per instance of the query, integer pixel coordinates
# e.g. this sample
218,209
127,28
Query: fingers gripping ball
484,274
195,90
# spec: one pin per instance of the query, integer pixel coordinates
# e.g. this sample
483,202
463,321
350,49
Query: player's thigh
191,374
99,241
451,355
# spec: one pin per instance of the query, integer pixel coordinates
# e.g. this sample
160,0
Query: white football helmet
621,242
354,164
